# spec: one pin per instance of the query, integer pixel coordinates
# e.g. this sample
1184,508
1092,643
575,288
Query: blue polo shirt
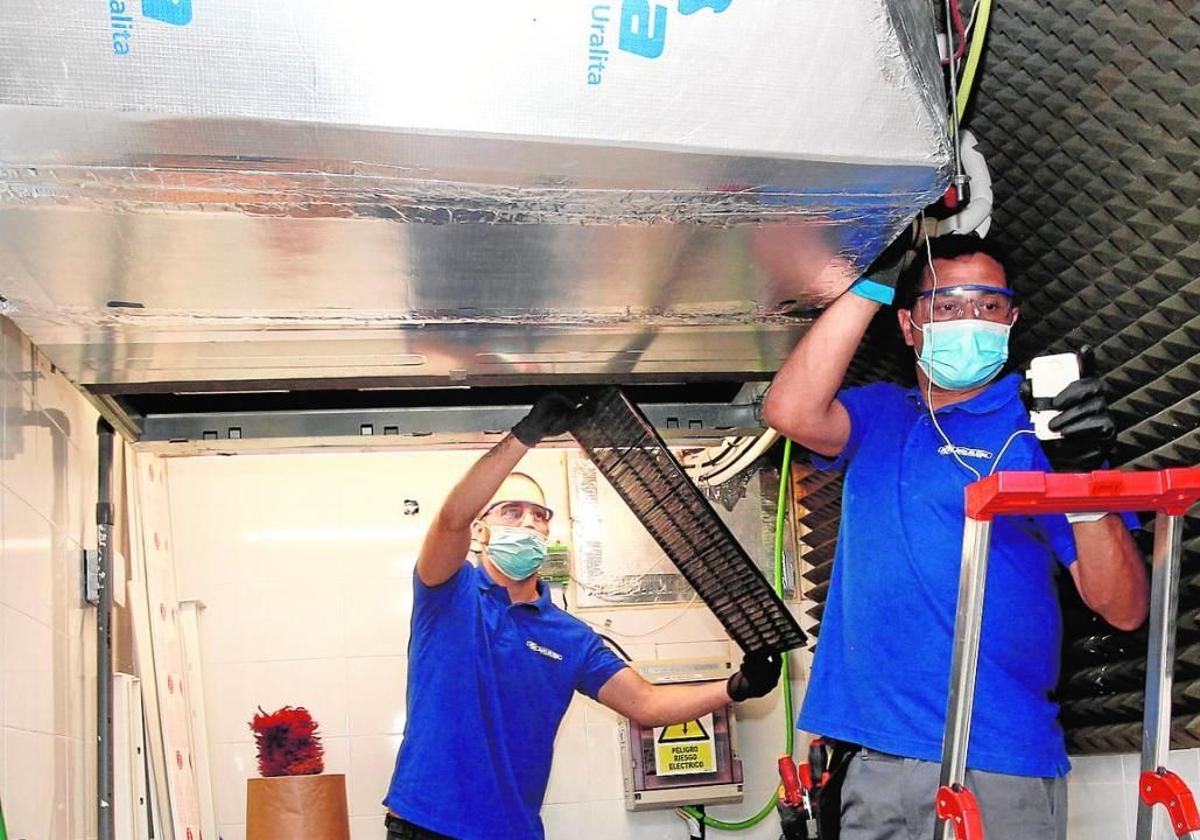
882,663
488,683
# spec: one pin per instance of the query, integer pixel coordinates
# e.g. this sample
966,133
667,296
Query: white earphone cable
929,379
929,391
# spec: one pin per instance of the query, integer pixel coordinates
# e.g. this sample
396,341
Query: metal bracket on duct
630,454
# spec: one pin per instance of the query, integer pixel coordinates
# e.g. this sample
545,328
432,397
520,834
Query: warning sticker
683,748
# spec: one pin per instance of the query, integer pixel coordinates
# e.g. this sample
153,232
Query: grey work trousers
886,797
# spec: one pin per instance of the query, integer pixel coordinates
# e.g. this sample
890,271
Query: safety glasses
514,513
952,303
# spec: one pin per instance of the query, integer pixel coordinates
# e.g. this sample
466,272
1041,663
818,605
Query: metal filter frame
629,453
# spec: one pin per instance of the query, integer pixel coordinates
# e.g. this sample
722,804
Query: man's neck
519,591
941,397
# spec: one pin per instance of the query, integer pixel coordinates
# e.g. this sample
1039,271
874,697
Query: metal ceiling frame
224,431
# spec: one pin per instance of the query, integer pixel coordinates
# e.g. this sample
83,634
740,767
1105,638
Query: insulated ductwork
248,192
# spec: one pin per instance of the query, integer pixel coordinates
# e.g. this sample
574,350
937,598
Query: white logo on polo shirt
966,452
544,651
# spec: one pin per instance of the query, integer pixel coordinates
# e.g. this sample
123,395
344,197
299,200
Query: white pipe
730,467
976,216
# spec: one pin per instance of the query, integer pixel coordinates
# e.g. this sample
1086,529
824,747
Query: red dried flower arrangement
288,743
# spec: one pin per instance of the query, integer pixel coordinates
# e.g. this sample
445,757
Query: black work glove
1087,428
757,676
550,416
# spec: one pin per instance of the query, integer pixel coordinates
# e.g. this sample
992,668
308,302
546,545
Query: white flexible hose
976,216
743,455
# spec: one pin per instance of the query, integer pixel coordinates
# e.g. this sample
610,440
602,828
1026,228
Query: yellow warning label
683,748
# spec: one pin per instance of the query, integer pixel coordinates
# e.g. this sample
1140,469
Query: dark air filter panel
636,462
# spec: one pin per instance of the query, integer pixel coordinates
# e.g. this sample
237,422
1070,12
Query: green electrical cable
780,519
973,55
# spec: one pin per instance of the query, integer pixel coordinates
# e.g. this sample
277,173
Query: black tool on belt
401,829
810,807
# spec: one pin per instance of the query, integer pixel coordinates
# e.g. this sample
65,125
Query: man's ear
480,534
906,325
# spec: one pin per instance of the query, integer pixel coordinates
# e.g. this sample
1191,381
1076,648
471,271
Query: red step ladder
1170,493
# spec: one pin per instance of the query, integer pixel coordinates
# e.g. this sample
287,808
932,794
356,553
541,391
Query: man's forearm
480,483
1111,574
444,549
680,703
807,383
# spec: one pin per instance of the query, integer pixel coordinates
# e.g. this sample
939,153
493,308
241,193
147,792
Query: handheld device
1048,375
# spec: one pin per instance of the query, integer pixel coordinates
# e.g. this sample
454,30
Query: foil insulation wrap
194,191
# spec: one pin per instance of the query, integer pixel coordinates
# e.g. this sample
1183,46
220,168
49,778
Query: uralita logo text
642,30
121,19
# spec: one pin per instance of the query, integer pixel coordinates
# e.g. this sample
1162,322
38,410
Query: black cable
620,651
612,643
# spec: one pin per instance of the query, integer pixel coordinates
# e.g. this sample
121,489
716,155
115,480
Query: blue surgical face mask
963,354
518,552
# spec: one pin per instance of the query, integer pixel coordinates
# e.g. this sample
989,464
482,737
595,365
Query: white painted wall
305,564
47,639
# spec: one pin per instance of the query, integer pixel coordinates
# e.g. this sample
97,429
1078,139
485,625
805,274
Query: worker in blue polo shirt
493,663
881,670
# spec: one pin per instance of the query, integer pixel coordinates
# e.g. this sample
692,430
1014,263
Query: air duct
438,193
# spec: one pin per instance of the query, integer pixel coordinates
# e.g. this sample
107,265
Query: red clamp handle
960,809
1162,787
793,793
806,779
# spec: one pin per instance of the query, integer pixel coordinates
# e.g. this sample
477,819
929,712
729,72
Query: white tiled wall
305,564
1103,794
47,639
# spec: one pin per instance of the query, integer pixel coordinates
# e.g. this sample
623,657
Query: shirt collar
997,395
484,581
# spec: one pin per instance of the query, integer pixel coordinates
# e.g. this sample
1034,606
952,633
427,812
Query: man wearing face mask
881,671
493,663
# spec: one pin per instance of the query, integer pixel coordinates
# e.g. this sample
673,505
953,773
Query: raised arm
802,403
449,537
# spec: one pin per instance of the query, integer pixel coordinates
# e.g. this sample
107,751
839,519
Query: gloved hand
757,676
1087,428
551,415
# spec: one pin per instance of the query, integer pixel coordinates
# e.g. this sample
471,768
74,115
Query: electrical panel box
692,762
557,565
